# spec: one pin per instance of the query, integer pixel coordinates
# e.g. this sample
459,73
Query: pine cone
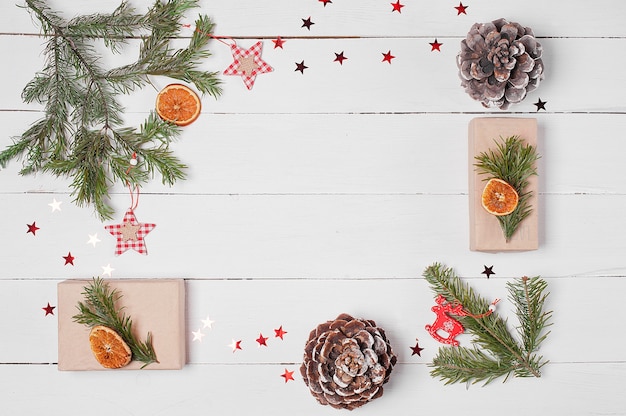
346,362
499,63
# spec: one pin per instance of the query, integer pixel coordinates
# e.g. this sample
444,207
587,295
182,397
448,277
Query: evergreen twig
81,134
513,161
100,308
496,352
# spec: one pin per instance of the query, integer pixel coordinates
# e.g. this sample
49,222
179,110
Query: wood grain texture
327,192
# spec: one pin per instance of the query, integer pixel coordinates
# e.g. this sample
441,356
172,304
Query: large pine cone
346,362
499,63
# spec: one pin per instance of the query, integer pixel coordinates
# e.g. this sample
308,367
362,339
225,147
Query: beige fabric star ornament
247,65
128,231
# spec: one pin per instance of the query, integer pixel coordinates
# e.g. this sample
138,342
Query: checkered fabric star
130,234
248,63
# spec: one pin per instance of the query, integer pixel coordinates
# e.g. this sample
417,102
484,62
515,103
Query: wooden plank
418,80
271,18
355,153
317,236
573,389
244,309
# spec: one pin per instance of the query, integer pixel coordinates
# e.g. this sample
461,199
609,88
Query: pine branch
100,308
513,162
81,135
503,354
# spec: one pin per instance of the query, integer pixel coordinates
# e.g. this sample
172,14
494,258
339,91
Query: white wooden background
327,192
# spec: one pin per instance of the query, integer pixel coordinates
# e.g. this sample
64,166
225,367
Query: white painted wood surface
329,192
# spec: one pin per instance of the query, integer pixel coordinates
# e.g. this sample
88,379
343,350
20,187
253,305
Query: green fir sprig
497,352
512,161
99,308
82,134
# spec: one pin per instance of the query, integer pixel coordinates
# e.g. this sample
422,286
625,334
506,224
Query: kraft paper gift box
485,232
154,305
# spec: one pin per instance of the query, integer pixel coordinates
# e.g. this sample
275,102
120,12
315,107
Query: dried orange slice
178,104
499,197
108,347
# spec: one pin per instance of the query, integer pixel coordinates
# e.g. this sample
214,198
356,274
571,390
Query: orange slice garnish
178,104
108,347
499,197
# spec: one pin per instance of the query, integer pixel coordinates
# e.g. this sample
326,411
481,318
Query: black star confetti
488,271
416,349
300,67
307,23
541,105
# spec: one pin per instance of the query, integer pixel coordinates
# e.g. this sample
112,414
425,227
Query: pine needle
100,308
82,134
513,161
496,352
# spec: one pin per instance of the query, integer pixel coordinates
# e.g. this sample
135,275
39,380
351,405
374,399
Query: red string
134,199
218,38
482,315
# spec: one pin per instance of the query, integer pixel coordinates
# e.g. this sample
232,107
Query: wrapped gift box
154,305
485,232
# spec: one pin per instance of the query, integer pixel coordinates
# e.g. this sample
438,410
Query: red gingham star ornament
130,234
248,63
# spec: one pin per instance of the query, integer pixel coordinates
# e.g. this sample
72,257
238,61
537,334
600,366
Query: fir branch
81,135
513,161
100,308
503,354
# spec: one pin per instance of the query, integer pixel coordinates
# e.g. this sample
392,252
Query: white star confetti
106,270
55,205
93,239
197,335
207,323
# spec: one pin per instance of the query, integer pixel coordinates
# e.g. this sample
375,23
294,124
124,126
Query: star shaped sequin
197,335
130,234
107,270
300,67
307,23
32,228
262,340
416,349
339,57
325,2
434,46
287,375
397,7
207,323
387,57
541,105
55,205
279,333
93,239
488,271
278,42
460,9
248,63
49,309
69,259
235,345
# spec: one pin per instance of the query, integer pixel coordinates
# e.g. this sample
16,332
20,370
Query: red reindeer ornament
445,323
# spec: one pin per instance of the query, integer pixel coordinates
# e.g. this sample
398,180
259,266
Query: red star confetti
339,57
416,349
49,309
488,271
460,9
435,46
280,333
248,63
32,228
55,205
262,340
325,2
541,105
278,42
307,23
287,375
130,234
197,335
69,259
397,7
300,67
387,57
235,345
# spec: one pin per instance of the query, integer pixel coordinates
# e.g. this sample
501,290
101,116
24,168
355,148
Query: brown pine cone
346,362
499,63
